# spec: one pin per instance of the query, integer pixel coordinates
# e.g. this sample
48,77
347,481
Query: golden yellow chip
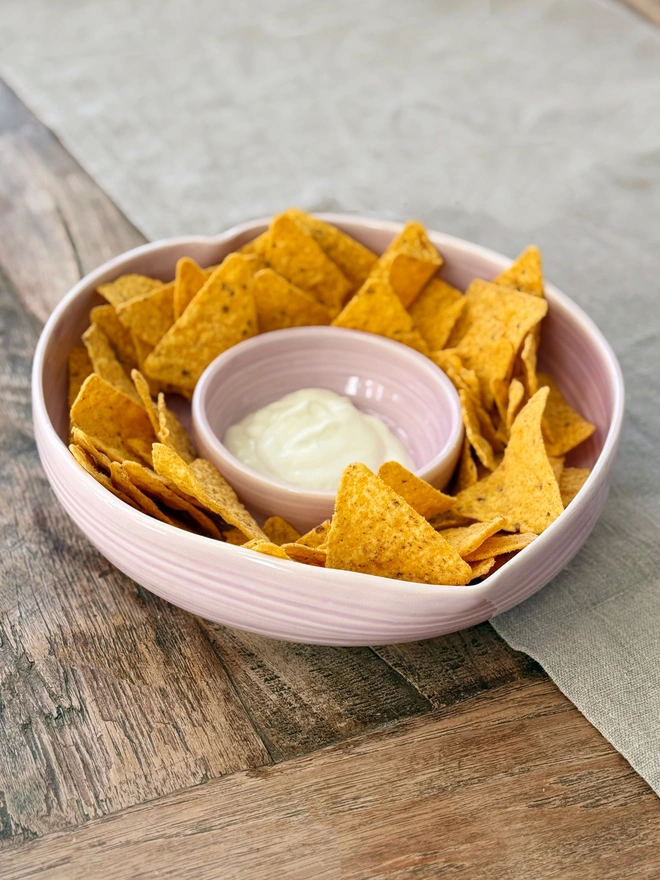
265,547
481,446
279,531
435,311
481,569
307,555
563,427
141,450
280,304
121,481
557,465
203,483
376,308
571,481
90,466
142,388
86,443
256,246
466,539
516,396
499,544
105,362
525,274
316,536
157,487
151,315
450,520
235,537
296,256
120,337
419,494
462,378
528,359
126,287
80,367
466,475
172,433
222,314
523,488
354,259
189,280
374,531
408,264
110,418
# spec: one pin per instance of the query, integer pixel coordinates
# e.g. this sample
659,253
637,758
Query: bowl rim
556,299
415,361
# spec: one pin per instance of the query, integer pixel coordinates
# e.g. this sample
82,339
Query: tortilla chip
374,531
279,531
172,433
450,520
90,466
481,446
120,338
462,378
408,264
557,465
100,459
142,388
157,487
105,362
525,274
563,427
151,315
523,488
80,367
571,481
296,256
494,323
256,246
528,356
265,547
353,258
419,494
141,450
222,314
280,304
466,539
110,418
121,481
189,280
126,287
466,475
499,544
376,308
203,483
235,537
307,555
481,569
516,397
316,536
435,311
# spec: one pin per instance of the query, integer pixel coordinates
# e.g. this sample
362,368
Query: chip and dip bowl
287,600
403,388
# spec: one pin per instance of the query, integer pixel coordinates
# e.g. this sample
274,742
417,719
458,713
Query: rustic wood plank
108,697
515,783
458,666
302,697
648,8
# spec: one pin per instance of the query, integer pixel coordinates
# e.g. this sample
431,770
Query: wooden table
139,741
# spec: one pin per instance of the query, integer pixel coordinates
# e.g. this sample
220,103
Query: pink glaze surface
383,378
287,600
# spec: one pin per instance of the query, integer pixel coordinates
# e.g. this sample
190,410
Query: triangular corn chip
435,311
151,315
189,280
142,388
172,433
523,488
374,531
376,308
408,264
499,544
279,531
419,494
466,475
571,481
105,362
528,359
280,304
516,396
222,314
119,336
316,536
94,471
307,555
481,569
563,427
265,547
126,287
296,256
466,539
525,274
80,367
207,486
481,446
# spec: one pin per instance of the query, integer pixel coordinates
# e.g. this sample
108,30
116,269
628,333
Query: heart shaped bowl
286,600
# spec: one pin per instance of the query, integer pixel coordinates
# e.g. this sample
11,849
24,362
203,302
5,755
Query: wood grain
514,784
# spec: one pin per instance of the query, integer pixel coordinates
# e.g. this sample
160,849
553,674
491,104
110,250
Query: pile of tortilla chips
153,339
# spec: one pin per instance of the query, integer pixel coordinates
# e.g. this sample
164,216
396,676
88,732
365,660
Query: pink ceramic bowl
285,599
383,378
